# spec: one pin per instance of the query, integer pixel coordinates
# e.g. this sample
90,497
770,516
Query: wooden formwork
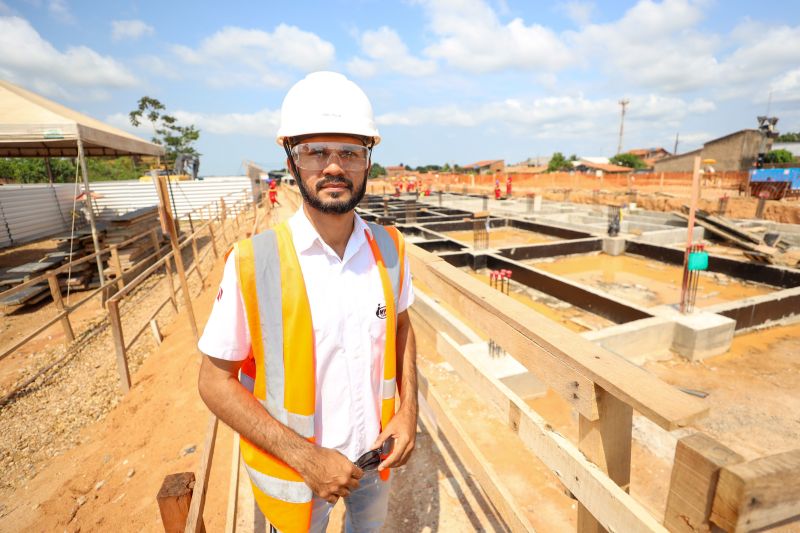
710,487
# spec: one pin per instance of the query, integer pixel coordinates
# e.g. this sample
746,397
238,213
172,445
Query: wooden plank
759,493
117,266
22,296
695,471
194,523
154,329
174,498
608,502
557,356
233,487
474,460
575,388
55,292
119,345
607,443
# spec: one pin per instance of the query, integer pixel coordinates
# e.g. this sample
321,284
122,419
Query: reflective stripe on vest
279,321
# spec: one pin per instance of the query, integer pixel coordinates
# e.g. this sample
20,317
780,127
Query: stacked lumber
71,248
123,227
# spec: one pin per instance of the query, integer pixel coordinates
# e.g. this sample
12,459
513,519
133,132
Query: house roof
485,163
605,167
33,126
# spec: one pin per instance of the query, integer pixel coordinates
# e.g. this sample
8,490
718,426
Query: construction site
595,352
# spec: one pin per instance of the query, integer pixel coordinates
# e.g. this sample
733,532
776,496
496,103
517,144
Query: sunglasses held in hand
371,459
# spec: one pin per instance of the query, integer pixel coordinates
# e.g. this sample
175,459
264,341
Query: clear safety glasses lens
317,156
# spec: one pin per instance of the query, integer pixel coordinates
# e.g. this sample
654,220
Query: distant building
736,151
490,166
597,160
394,171
584,165
538,161
649,155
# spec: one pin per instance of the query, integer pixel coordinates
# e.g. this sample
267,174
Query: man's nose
333,168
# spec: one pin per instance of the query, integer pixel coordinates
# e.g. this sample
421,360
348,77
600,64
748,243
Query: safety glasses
316,156
371,459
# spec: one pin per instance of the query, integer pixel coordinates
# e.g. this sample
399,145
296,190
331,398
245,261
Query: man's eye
316,152
347,154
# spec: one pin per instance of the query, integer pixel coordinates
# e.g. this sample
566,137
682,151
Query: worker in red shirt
273,193
497,191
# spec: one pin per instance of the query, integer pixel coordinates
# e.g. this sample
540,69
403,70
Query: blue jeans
366,507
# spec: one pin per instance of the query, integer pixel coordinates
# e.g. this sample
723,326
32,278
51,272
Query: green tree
779,156
790,137
32,170
559,163
175,139
628,160
376,170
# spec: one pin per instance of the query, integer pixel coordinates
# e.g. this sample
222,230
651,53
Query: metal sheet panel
33,211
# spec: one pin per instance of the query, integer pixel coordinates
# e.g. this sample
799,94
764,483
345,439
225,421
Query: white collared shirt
344,296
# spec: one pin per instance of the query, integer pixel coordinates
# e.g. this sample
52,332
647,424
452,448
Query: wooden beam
613,507
119,345
194,523
233,487
557,356
55,292
695,471
473,459
759,493
174,498
607,443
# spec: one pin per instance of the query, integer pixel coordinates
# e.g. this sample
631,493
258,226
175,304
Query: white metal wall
118,197
33,211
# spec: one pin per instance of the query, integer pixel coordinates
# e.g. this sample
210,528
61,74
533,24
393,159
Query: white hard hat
326,102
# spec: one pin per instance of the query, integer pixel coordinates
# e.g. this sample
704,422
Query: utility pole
624,103
675,151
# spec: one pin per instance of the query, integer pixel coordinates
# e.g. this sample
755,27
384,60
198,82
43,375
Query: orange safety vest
280,369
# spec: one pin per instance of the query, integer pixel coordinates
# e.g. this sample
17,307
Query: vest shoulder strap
392,247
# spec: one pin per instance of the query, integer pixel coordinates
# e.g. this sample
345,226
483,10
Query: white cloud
60,10
471,38
263,123
579,12
387,52
158,67
237,56
559,116
130,29
787,87
56,73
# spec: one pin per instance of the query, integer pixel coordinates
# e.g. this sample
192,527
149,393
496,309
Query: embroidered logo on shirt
381,311
219,294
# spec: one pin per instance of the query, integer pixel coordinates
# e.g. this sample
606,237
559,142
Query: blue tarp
777,174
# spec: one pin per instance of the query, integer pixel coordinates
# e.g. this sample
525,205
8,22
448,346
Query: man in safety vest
314,314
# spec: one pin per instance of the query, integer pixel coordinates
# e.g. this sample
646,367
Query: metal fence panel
119,197
34,211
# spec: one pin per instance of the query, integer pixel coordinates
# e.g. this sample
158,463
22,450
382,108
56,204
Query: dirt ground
648,197
104,471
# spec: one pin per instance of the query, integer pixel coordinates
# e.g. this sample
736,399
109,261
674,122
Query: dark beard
332,207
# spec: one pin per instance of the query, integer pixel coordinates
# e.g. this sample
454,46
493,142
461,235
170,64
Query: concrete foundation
614,245
505,368
700,334
637,341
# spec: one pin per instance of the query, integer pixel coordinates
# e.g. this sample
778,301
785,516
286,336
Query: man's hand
403,427
330,474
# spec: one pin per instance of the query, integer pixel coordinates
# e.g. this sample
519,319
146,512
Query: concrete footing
614,245
506,369
699,334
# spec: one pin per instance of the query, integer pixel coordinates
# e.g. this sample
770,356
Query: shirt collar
305,236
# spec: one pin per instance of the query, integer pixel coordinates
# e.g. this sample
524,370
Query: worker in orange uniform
315,315
273,193
508,186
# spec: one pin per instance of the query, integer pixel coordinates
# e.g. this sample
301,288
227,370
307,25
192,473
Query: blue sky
450,80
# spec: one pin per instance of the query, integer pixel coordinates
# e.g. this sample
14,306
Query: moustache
334,181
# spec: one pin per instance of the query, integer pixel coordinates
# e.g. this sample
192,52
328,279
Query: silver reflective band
280,489
247,382
389,387
303,425
390,255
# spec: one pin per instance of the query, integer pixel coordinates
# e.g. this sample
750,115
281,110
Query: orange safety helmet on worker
280,371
